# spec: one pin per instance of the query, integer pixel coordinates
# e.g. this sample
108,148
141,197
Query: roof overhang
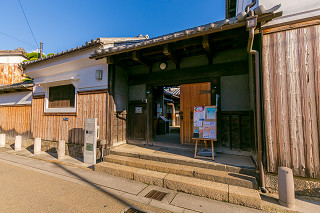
19,87
215,27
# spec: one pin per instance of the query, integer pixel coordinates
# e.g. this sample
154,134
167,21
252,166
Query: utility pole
41,49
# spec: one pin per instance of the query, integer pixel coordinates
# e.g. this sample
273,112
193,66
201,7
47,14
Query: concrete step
214,190
230,178
181,160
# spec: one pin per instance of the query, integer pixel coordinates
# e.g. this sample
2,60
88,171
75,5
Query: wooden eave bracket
110,60
136,57
206,46
170,55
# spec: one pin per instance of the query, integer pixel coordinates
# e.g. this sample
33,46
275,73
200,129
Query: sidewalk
74,170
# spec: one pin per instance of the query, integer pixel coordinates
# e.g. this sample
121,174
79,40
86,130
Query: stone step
230,178
214,190
181,160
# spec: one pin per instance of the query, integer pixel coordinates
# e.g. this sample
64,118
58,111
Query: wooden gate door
192,95
137,121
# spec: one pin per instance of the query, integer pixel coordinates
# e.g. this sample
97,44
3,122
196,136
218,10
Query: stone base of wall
73,150
302,186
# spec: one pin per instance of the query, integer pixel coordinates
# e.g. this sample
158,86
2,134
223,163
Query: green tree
33,56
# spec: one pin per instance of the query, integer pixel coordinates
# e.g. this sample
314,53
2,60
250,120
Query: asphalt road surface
23,190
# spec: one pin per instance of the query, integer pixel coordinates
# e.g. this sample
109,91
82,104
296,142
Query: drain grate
157,195
133,210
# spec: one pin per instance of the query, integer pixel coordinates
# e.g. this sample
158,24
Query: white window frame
60,82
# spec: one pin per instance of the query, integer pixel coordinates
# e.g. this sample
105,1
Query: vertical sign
90,140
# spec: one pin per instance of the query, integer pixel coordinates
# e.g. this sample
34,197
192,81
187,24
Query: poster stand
204,127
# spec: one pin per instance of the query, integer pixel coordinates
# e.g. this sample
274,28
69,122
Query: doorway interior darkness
166,114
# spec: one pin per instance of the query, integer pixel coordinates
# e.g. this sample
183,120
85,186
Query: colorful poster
206,134
199,113
213,134
211,113
197,123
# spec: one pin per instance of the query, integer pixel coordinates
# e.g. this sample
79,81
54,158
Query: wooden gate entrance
192,95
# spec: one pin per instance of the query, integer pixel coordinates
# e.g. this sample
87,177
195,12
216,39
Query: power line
17,39
28,24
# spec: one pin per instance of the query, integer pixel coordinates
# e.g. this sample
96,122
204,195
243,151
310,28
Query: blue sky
64,24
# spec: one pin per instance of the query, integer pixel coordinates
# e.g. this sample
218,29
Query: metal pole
251,25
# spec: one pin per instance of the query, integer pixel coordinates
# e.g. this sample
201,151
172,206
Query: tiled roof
18,51
222,25
92,43
18,86
173,91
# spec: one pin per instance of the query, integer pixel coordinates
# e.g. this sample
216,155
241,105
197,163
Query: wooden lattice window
62,96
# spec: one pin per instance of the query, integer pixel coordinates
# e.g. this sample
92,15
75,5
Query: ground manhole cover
133,210
157,195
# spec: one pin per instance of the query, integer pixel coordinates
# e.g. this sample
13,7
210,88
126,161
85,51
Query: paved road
23,190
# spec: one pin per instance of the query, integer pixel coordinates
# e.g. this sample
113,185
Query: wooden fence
291,87
52,127
15,120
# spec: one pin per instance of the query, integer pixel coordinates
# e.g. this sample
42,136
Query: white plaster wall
235,93
11,59
76,65
292,9
17,98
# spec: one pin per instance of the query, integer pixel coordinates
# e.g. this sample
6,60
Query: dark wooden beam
136,57
110,60
206,46
167,52
190,75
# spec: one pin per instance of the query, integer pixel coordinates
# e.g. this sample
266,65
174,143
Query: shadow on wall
76,136
13,133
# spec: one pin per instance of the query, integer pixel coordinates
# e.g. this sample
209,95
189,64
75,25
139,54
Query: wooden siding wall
15,120
53,128
119,126
291,81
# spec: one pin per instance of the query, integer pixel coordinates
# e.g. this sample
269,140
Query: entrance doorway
173,110
166,114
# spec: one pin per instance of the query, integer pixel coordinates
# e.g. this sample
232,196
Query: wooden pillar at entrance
149,117
173,113
110,104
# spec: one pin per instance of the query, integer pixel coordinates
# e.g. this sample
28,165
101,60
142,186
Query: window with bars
62,96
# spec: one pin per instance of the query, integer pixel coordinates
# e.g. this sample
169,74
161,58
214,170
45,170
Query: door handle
191,115
181,115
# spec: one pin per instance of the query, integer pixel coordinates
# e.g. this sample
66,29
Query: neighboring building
69,87
15,109
10,69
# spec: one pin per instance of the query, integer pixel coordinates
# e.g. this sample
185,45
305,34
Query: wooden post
110,103
2,140
149,117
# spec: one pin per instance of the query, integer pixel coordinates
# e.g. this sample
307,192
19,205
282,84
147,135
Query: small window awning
73,79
